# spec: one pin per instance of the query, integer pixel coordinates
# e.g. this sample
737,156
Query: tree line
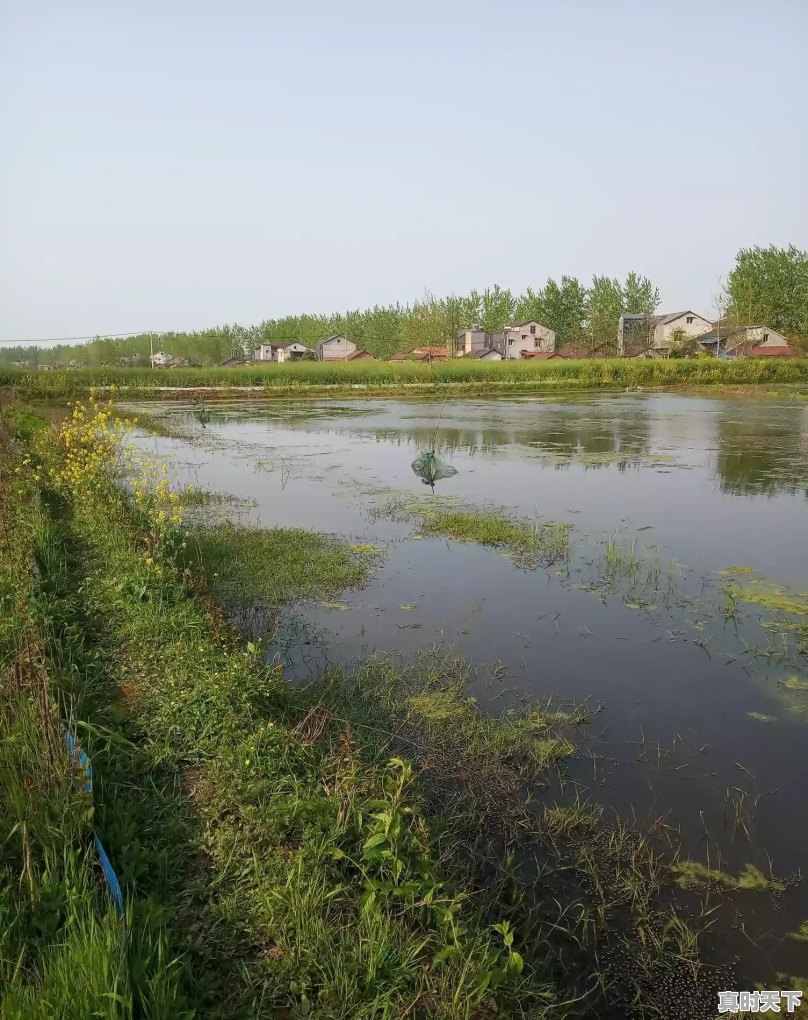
766,286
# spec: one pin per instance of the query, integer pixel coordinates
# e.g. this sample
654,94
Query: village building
518,338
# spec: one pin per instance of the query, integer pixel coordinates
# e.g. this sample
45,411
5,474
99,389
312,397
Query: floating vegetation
367,549
692,873
775,597
801,935
595,459
529,543
760,717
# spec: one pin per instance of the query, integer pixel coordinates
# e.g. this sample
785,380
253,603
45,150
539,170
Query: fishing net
430,468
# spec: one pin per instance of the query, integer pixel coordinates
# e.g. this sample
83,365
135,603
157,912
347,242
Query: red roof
362,355
774,352
540,355
433,352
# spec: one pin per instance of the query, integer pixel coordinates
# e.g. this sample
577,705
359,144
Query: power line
95,336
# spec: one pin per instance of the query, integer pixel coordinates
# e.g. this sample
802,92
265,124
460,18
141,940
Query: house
161,360
232,362
360,356
748,342
656,334
292,351
483,354
769,350
473,340
581,352
540,355
528,335
334,348
421,354
429,353
268,350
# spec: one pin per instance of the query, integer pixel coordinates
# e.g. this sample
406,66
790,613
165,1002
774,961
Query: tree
640,296
564,309
681,345
603,311
769,287
609,299
498,308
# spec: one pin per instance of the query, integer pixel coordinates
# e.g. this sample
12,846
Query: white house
751,336
486,354
334,348
654,334
161,360
293,351
519,338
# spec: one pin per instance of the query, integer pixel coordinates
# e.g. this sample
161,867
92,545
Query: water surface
689,706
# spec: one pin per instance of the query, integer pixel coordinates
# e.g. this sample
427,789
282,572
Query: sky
176,165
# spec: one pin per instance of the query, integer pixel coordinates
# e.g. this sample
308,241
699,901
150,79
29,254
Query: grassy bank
368,846
283,865
388,378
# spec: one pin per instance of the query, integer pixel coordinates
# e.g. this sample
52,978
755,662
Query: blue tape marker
78,756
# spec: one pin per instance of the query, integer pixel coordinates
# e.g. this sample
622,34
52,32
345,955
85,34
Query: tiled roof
774,352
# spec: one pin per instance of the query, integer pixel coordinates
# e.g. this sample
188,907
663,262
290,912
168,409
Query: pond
687,536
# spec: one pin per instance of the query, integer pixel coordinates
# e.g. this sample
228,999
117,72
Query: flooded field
675,610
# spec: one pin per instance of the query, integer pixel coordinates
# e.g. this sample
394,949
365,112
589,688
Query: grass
273,864
771,596
528,543
692,873
586,892
368,846
253,572
386,377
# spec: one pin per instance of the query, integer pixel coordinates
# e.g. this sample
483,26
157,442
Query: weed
692,873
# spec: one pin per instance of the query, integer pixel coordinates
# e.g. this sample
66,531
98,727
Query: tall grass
459,374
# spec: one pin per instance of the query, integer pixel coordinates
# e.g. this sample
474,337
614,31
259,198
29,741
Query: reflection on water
763,449
758,446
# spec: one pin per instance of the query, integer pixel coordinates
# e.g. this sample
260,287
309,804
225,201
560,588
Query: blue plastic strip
109,874
77,756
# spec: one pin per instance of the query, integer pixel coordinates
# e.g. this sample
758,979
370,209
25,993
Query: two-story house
474,341
656,334
334,348
518,338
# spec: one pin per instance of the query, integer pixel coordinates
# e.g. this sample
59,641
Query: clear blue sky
172,165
